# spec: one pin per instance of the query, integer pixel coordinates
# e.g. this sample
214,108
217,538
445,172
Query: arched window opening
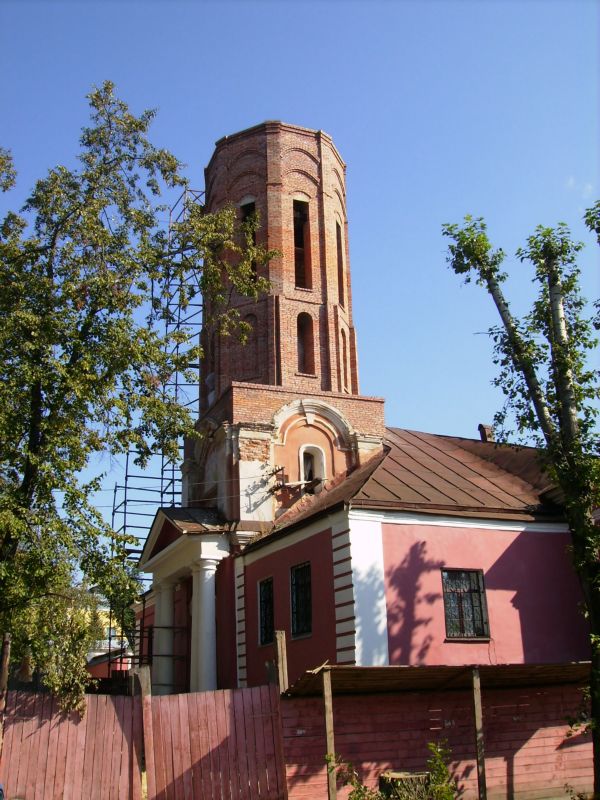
306,356
340,263
344,362
302,266
312,467
248,212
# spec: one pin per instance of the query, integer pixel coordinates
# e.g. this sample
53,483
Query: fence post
282,670
144,677
329,735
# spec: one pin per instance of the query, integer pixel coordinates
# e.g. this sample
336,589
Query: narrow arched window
340,263
312,467
344,362
302,265
306,355
248,213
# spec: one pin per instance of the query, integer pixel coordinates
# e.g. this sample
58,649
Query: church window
301,598
248,211
344,362
312,466
266,611
306,355
464,604
340,263
302,264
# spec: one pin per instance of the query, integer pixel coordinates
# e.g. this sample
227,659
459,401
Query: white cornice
414,518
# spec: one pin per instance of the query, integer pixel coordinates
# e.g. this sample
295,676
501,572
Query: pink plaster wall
532,595
308,651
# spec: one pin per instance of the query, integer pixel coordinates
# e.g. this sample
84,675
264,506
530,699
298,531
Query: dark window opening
464,604
306,355
344,362
301,245
340,263
301,600
267,620
248,214
308,466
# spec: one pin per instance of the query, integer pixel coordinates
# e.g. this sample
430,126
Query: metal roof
366,680
434,474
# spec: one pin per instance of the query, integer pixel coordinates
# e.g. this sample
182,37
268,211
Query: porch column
162,674
203,671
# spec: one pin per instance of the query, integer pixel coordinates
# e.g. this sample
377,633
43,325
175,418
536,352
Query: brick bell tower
281,415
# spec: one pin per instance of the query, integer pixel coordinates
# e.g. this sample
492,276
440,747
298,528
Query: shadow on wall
531,569
406,600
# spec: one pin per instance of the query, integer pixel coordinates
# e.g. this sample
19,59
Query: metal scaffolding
143,491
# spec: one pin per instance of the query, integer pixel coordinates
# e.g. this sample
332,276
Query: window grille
267,626
301,600
464,604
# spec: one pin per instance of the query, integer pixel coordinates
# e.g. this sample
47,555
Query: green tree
551,393
86,266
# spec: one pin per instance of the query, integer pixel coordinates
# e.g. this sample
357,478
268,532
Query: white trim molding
416,518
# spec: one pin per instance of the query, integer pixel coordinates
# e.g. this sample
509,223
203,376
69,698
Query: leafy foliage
435,784
86,268
551,391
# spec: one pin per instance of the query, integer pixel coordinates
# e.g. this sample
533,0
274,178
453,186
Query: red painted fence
225,744
529,752
49,754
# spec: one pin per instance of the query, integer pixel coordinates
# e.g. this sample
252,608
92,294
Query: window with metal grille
301,600
464,604
266,611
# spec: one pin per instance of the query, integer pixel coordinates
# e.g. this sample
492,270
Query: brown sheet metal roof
433,474
447,474
365,680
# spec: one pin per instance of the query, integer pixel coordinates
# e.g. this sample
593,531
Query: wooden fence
208,745
224,744
49,754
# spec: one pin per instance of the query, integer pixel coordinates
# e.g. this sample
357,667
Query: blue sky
438,108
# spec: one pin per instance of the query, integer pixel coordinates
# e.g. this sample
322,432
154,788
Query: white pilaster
203,671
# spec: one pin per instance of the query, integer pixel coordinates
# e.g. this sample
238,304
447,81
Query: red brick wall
274,164
528,752
245,401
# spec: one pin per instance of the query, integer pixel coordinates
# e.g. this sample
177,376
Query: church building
302,512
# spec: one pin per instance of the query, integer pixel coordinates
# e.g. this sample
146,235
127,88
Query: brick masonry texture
272,165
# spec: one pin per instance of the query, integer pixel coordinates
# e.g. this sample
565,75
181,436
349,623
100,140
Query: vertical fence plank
89,753
69,792
167,749
134,768
186,752
23,724
63,724
241,745
44,734
259,735
195,749
205,746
